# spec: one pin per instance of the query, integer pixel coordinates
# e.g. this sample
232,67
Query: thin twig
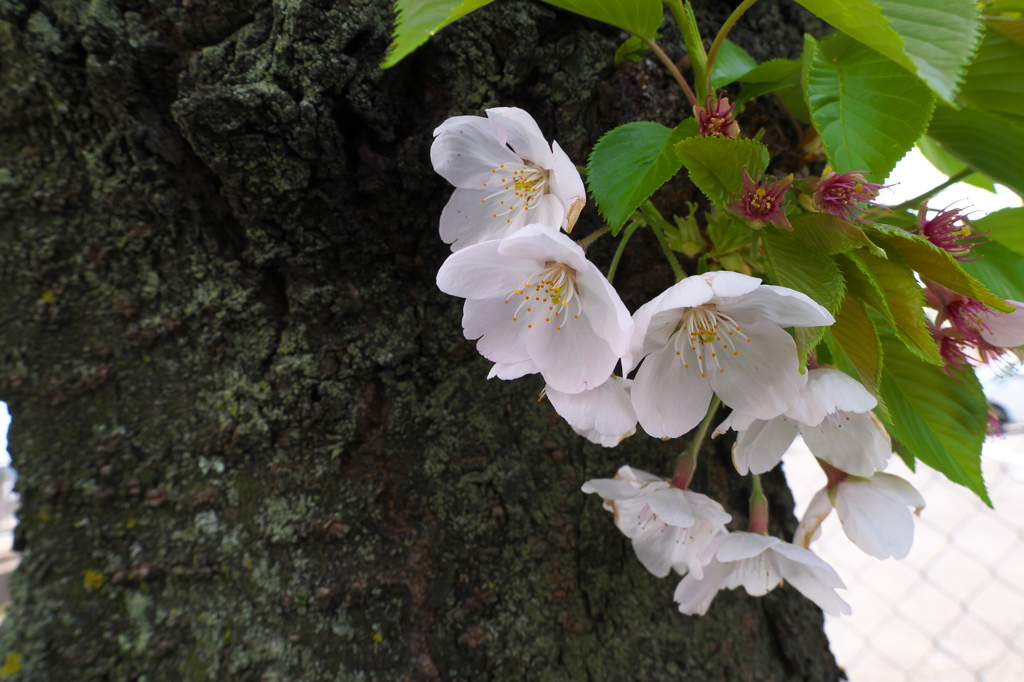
916,201
722,32
593,236
671,67
627,233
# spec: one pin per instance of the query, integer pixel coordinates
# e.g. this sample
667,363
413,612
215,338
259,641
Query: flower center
516,186
711,334
546,296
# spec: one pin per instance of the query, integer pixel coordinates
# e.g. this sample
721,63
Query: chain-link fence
954,608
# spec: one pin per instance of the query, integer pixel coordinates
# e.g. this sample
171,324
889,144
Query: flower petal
729,285
759,448
514,370
607,410
855,443
809,529
739,546
613,489
501,339
570,354
605,309
827,391
465,151
760,378
671,505
898,489
694,595
669,398
538,242
481,271
876,523
706,509
778,305
654,547
1005,330
808,584
472,216
567,185
546,210
657,330
524,135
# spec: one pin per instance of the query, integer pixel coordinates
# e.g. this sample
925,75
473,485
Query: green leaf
726,233
938,418
1000,269
774,70
937,265
868,110
995,79
781,76
419,19
694,47
857,339
716,164
983,142
642,17
933,39
1005,226
889,287
630,162
830,234
731,62
948,166
808,271
630,50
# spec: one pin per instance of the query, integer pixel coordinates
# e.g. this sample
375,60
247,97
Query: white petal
481,271
818,566
778,305
613,489
537,242
762,378
671,505
524,135
658,329
876,523
469,218
898,489
737,546
854,443
691,292
827,391
694,595
706,509
514,370
607,409
567,185
654,547
761,446
737,421
628,473
1005,330
698,538
758,575
808,584
605,309
546,210
501,339
728,285
569,354
809,529
466,150
669,398
594,436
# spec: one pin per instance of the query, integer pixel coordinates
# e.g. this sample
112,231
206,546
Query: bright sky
916,176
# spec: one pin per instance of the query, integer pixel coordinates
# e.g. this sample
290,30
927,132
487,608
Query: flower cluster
965,328
842,194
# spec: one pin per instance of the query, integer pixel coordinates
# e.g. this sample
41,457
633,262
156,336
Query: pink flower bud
715,118
761,202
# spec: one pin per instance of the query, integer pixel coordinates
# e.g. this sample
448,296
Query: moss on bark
252,441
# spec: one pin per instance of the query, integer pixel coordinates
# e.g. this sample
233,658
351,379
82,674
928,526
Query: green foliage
933,39
995,79
419,19
937,265
1006,227
716,164
854,337
630,162
781,76
695,48
982,141
808,271
938,418
949,166
829,234
731,63
999,269
642,17
868,110
726,233
630,51
889,287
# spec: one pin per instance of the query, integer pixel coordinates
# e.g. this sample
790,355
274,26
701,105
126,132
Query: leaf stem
626,234
754,238
654,221
694,46
593,236
671,67
916,201
722,32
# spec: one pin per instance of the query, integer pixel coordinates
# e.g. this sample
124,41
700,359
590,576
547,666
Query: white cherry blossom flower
833,414
720,332
669,527
500,190
603,415
537,304
759,563
874,513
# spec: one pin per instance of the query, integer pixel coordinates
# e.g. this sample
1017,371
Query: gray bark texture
253,443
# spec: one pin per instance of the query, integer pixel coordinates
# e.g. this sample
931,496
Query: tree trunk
252,440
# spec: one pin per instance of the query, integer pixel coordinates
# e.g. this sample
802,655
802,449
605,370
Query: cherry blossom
833,414
949,231
537,304
760,202
840,194
873,511
500,190
720,332
759,563
603,415
715,118
669,527
972,324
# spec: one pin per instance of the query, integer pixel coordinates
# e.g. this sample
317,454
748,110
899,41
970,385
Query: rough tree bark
253,443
